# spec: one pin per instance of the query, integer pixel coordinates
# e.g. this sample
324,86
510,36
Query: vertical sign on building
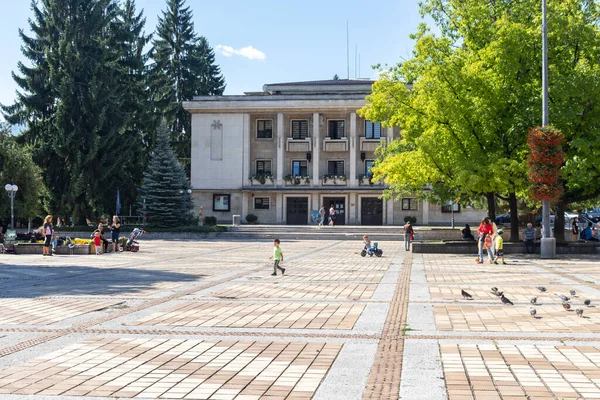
216,140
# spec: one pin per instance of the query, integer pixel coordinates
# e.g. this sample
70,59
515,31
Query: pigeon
572,292
499,294
506,301
563,297
579,312
533,300
494,289
566,306
541,288
466,295
587,302
532,312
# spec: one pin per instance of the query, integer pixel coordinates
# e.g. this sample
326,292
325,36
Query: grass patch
188,229
592,282
405,329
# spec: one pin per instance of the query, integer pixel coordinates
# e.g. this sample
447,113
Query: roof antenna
358,65
348,49
355,60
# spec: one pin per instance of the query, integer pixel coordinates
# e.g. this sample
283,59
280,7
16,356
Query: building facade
282,153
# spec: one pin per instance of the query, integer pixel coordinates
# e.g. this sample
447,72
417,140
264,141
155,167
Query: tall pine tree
184,67
165,189
80,98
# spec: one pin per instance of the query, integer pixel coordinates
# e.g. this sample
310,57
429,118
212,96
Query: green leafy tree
165,189
474,91
17,167
183,67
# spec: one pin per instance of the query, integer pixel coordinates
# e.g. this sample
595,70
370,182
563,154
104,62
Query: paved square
204,319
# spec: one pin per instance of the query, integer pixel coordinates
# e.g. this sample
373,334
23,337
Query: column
390,135
247,162
315,201
316,151
352,180
245,198
389,206
425,206
280,149
279,208
352,199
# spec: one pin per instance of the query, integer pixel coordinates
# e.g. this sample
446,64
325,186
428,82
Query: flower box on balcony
297,180
258,180
332,180
365,180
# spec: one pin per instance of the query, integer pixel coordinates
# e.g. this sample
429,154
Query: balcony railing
296,180
259,180
298,145
335,144
366,180
370,144
334,180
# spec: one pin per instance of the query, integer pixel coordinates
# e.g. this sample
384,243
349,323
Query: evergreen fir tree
80,99
184,66
165,188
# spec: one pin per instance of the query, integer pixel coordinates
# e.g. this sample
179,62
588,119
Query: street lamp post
548,243
11,190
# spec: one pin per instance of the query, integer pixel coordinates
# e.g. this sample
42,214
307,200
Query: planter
365,181
83,249
29,248
334,182
256,182
298,181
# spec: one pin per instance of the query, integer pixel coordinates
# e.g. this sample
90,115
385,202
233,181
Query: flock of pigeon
565,300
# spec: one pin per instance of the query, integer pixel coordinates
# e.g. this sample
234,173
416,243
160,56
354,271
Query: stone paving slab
205,320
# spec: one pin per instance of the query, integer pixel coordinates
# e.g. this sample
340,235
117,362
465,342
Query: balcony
370,144
365,180
334,180
296,180
260,180
298,145
335,144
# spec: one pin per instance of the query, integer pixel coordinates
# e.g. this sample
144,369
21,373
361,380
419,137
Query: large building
282,153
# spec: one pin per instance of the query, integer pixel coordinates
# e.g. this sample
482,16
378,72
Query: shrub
251,218
210,221
413,220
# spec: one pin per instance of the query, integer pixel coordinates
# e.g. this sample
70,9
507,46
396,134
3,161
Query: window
300,129
447,208
261,203
264,129
335,168
409,204
221,202
372,130
299,168
263,167
336,129
369,167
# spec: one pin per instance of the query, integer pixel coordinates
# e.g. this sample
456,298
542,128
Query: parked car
503,219
593,214
568,219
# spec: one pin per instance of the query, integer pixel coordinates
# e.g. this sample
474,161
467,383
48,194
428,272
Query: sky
265,41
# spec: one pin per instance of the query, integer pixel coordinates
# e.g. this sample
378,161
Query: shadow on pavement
37,281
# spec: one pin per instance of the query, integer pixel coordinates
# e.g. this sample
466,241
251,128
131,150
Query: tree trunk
559,222
514,217
491,200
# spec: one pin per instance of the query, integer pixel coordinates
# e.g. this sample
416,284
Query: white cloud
248,52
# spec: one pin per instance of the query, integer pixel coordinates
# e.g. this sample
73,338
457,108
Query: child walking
499,247
98,243
277,257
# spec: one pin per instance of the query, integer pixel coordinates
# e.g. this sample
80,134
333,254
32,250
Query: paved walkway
206,320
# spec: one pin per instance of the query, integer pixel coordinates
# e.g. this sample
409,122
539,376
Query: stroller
372,250
131,244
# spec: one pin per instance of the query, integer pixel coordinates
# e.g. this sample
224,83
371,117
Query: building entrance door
371,211
339,204
297,211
